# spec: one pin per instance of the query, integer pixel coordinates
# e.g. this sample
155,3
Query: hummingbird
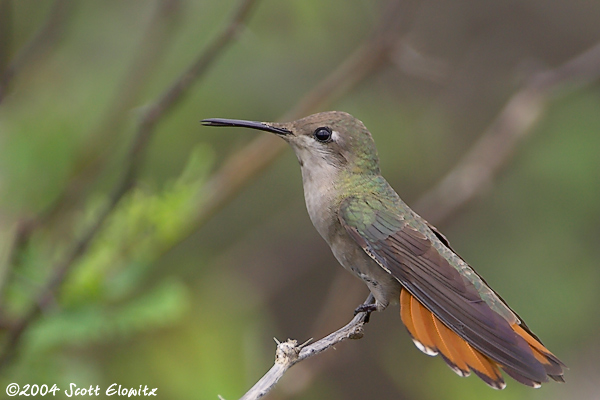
447,308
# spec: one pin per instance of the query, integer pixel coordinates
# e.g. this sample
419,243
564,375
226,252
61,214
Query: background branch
89,164
153,114
39,43
91,161
477,169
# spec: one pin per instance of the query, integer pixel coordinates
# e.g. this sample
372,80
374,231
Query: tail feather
432,337
484,368
552,365
521,379
411,316
448,344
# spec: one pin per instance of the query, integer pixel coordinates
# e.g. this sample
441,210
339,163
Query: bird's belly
385,288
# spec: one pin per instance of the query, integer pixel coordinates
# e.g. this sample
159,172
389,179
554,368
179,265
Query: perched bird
447,308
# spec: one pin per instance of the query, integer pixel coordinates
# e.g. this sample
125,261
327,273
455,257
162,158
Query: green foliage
106,297
143,226
99,322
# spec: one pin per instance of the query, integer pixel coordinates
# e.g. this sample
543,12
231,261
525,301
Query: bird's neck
326,187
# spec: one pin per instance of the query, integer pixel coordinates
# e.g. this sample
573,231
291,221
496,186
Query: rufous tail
432,337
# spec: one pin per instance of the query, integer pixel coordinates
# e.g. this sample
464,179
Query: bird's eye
323,134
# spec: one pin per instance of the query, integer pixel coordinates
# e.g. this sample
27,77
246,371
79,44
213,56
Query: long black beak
245,124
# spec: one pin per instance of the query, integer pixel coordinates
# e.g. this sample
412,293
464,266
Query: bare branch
145,129
289,353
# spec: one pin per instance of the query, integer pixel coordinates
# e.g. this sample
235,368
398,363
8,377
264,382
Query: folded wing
443,310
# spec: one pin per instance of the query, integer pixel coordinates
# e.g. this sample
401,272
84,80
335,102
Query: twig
145,129
43,39
476,170
289,353
343,290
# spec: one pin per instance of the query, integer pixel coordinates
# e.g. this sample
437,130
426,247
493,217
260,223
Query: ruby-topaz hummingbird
447,308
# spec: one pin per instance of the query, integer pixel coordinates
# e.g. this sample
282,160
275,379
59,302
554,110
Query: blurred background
138,247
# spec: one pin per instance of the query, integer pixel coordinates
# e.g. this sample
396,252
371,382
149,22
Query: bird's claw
366,308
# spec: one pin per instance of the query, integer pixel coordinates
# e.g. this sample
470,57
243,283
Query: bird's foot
366,308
